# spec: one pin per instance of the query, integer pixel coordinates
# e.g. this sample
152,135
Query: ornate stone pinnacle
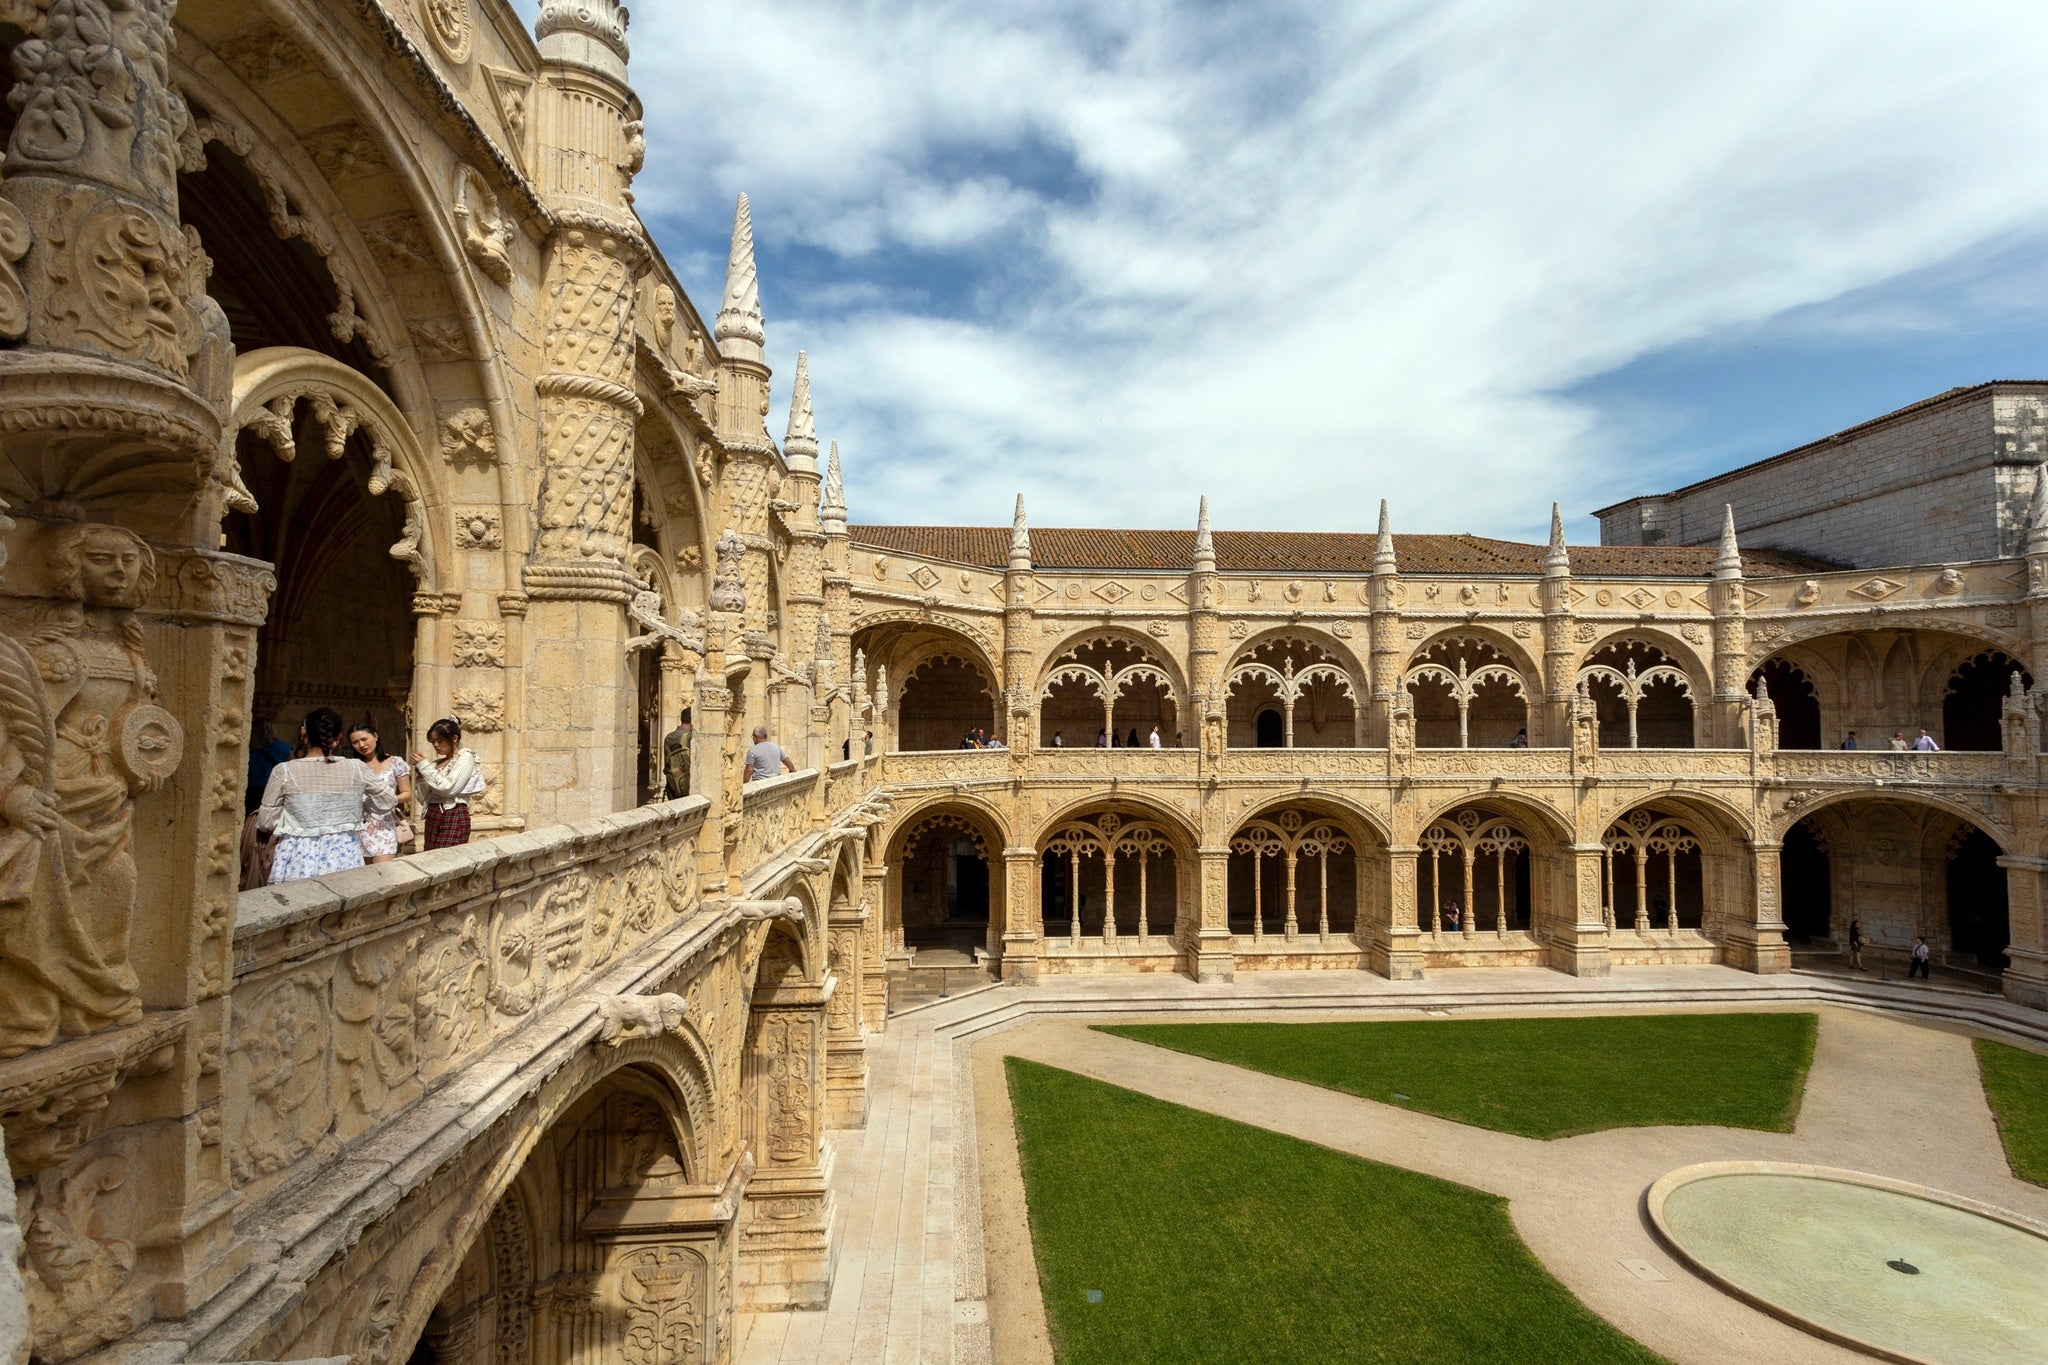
832,507
1205,544
739,330
1558,561
1728,564
1383,553
1020,539
800,444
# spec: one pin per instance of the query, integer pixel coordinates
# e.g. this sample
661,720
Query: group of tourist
336,800
979,738
1923,745
1107,739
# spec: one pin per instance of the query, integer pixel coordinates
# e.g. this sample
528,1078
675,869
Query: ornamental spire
739,330
832,507
1383,553
1558,562
800,445
1020,540
1205,545
1728,564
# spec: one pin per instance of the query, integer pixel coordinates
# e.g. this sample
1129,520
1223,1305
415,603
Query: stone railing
952,765
355,993
773,814
1871,765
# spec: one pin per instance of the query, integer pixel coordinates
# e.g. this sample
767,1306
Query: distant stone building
1944,480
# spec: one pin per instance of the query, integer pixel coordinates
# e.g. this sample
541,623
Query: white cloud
1304,256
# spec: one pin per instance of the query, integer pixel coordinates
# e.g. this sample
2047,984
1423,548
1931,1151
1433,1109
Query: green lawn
1211,1241
1541,1078
2016,1083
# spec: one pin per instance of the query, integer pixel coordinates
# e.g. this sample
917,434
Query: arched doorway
944,698
1978,913
1804,886
1793,697
945,882
1973,703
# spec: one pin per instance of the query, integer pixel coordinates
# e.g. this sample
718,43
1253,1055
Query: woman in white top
448,781
316,805
380,832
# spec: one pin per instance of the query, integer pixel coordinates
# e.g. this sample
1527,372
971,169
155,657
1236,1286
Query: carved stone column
1756,942
2026,979
838,588
1729,598
1022,902
1396,952
1558,648
1209,947
711,774
1020,647
126,654
581,762
1575,938
1205,716
846,1048
1387,645
874,978
786,1246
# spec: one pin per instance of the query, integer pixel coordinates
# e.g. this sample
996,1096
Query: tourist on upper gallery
448,781
316,804
382,832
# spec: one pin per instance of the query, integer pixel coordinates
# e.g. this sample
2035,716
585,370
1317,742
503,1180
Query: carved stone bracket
51,1101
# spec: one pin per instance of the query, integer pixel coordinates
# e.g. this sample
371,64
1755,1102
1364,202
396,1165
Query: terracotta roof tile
1304,552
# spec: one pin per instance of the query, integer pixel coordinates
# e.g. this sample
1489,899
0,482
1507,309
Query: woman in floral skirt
380,832
316,804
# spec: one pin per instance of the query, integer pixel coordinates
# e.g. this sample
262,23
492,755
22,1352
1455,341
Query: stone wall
1942,481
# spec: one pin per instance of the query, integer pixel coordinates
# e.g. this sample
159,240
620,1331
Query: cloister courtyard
1331,1166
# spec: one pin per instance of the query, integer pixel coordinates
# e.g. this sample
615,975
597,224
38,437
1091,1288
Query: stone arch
950,699
1114,871
1973,699
1467,693
665,453
1477,883
945,877
1687,657
675,1076
1793,696
1674,861
1305,677
344,175
1340,650
1362,823
1298,866
334,459
1109,680
1172,819
1890,866
1514,652
1642,696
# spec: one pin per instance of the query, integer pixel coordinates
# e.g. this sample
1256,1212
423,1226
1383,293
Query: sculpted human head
101,566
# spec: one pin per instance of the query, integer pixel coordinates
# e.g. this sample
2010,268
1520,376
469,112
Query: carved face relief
110,568
120,281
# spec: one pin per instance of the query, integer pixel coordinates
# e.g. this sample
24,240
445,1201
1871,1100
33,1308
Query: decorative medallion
1640,598
925,577
1877,589
1112,593
448,25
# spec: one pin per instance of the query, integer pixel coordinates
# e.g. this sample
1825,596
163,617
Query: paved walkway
1886,1095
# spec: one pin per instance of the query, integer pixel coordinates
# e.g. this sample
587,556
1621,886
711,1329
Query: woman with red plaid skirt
447,781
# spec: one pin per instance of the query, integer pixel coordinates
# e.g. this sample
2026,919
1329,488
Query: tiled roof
1304,552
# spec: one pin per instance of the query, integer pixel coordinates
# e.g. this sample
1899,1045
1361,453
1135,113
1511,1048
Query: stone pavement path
1886,1095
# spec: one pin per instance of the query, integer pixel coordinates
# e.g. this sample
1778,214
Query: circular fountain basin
1892,1268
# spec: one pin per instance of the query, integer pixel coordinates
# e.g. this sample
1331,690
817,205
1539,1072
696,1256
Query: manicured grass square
2016,1084
1540,1078
1214,1243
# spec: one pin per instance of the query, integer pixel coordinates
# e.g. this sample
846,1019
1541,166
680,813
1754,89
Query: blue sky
1468,255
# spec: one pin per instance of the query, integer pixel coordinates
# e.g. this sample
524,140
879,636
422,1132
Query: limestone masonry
336,369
